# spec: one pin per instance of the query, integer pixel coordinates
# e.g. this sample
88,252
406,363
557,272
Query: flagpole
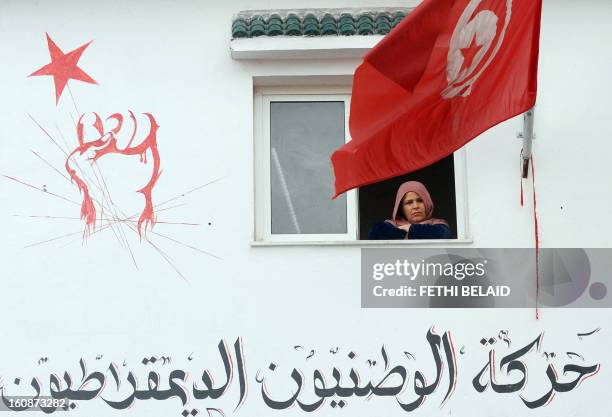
528,136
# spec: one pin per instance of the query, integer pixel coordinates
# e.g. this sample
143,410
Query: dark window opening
376,201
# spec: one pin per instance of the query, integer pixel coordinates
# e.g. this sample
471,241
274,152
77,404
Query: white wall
66,300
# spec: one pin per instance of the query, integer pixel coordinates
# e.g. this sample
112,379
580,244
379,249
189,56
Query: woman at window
412,217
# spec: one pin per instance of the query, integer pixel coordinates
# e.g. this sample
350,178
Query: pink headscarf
420,189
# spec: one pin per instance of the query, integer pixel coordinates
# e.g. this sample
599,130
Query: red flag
449,71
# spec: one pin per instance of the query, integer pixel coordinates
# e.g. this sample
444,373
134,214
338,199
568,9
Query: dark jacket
386,231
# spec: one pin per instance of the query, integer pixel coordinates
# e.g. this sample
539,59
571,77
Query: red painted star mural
63,67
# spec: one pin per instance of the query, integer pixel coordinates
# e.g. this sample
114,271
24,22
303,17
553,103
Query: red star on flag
63,67
469,53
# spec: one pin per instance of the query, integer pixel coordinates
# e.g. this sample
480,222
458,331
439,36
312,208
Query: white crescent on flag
473,37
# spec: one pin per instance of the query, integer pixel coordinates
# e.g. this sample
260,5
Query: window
293,171
296,131
376,201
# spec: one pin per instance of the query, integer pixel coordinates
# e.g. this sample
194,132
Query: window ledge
292,47
368,243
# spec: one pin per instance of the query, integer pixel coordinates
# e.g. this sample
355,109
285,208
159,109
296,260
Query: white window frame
262,233
262,164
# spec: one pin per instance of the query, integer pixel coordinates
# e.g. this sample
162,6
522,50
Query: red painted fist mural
122,135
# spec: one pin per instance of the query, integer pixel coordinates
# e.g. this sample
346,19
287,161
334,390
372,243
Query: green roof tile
293,25
383,24
311,25
240,29
275,25
365,24
329,25
346,24
327,22
365,18
397,17
257,26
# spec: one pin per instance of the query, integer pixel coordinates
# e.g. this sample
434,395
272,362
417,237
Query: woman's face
413,207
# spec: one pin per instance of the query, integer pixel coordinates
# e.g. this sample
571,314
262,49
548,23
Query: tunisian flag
449,71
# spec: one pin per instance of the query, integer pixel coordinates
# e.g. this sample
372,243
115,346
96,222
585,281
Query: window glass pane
303,136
